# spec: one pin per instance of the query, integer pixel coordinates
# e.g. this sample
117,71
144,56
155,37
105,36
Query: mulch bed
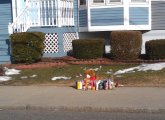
63,61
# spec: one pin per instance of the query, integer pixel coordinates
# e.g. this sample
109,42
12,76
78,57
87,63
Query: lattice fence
51,43
67,40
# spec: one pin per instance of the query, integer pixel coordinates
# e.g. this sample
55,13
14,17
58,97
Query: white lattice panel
68,38
51,43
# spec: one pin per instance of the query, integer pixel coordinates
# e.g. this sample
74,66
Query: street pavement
127,99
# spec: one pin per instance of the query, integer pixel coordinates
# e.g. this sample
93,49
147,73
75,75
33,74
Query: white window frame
144,1
99,3
109,2
139,2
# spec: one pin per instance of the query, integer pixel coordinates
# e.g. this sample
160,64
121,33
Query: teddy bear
89,79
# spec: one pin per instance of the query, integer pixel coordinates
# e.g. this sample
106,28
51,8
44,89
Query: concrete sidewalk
140,99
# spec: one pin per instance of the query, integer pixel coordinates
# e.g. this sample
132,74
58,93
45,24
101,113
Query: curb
82,109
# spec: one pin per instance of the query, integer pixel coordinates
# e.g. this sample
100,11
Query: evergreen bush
155,49
88,49
27,47
126,45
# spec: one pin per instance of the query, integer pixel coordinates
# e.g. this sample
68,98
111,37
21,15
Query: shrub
27,47
155,49
88,49
126,44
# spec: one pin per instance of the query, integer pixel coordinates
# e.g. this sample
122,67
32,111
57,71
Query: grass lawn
44,76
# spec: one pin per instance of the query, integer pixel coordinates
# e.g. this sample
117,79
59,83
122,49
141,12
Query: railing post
39,13
52,12
59,13
72,13
45,12
56,9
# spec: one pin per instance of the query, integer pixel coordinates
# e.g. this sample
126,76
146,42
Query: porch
42,13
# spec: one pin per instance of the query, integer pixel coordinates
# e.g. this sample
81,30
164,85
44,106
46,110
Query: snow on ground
11,71
143,67
95,69
7,73
4,78
24,77
60,77
33,76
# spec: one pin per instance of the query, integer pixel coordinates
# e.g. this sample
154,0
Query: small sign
107,48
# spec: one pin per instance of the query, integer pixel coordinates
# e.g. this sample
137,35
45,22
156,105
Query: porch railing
42,13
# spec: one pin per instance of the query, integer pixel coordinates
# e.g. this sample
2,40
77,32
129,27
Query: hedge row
27,47
126,44
155,49
88,49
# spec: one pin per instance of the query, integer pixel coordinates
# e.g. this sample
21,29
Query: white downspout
14,15
126,13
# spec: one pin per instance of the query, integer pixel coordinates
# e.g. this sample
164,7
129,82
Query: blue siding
5,18
83,18
111,16
158,15
139,15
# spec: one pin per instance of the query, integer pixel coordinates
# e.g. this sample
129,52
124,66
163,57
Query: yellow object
79,85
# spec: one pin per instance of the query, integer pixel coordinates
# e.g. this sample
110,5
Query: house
65,20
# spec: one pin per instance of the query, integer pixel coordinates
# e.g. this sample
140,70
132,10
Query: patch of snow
24,77
5,78
60,77
33,76
78,75
11,71
118,76
143,67
110,71
96,69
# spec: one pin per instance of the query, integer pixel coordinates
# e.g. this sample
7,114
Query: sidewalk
139,99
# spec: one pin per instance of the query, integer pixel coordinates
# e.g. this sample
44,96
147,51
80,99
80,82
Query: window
82,2
106,1
98,1
138,0
114,1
